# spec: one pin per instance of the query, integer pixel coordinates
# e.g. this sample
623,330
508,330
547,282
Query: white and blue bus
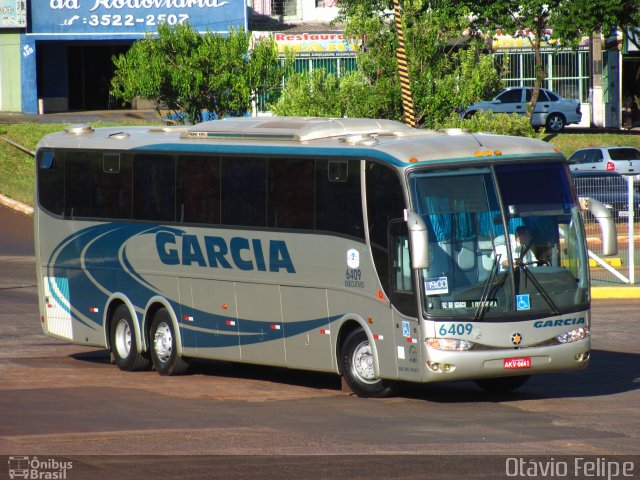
360,247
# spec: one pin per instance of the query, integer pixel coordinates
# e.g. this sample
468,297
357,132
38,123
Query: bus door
306,328
260,324
403,299
210,319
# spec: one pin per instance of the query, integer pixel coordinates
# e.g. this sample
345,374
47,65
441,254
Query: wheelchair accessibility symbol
406,329
523,302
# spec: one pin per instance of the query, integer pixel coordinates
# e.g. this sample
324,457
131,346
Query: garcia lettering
214,252
562,322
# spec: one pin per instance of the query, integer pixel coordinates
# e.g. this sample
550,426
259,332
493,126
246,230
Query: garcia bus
360,247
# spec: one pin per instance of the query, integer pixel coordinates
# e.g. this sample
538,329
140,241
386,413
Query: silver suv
624,160
552,111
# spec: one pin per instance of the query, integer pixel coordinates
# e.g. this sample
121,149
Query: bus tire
502,384
123,342
164,350
356,360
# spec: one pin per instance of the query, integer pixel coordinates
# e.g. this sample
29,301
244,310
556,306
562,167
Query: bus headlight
573,335
449,344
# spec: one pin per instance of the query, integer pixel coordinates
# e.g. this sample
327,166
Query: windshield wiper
486,289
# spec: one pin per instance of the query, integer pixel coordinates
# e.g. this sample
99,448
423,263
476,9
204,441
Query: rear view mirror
604,216
419,240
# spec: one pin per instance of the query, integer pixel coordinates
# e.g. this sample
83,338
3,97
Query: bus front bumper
441,365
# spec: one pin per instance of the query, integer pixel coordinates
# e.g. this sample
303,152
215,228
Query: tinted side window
384,203
577,157
244,192
593,156
82,193
198,189
113,186
154,187
543,97
511,96
291,202
338,202
624,154
51,181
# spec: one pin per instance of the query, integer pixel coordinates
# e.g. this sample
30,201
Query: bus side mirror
607,225
419,240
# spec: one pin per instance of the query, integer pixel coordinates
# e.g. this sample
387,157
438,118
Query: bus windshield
503,241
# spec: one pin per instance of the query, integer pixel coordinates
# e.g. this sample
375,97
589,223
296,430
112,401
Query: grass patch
17,168
570,142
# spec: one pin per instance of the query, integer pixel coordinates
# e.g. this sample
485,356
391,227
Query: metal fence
624,201
338,66
567,71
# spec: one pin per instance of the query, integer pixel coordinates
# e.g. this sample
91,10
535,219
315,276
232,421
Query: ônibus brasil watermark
34,468
578,467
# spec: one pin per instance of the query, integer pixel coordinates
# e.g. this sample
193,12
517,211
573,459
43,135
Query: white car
623,160
552,111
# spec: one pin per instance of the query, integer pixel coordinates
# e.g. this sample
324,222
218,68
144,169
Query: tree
188,73
446,70
369,25
312,94
565,21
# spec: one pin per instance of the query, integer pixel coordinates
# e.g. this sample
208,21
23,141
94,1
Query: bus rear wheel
164,350
502,384
123,342
356,359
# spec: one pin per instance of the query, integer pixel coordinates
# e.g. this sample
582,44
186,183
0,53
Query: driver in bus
520,246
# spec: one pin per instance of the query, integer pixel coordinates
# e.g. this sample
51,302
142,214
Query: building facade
65,47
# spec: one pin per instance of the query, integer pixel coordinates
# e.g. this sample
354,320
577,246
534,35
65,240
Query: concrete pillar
597,102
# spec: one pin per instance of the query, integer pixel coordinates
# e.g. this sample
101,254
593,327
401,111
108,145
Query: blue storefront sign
132,18
107,21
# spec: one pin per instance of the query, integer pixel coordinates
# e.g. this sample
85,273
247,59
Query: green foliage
568,20
465,77
487,121
443,76
361,98
187,73
313,94
321,94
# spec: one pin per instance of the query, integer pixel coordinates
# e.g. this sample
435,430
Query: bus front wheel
502,384
164,351
123,342
357,367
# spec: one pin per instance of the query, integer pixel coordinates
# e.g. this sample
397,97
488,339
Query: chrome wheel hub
162,342
123,338
362,363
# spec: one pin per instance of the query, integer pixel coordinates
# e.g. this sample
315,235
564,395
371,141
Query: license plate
623,213
523,362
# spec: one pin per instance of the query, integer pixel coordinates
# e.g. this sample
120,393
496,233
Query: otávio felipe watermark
597,468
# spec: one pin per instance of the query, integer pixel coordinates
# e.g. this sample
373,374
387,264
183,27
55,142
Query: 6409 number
455,329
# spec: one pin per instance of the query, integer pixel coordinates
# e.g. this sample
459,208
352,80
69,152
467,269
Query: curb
621,292
16,205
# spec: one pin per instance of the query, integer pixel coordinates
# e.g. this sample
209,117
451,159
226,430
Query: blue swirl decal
97,264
